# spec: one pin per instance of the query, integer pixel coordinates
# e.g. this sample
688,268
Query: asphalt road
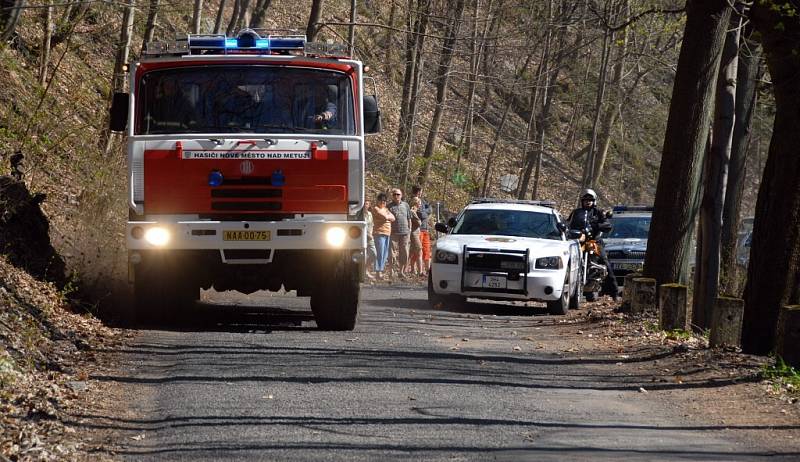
254,380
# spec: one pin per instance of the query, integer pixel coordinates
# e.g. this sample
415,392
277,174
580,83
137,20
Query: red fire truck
246,172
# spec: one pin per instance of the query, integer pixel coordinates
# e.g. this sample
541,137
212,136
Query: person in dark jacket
593,221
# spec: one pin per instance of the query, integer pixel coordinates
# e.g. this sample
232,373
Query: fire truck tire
160,296
335,300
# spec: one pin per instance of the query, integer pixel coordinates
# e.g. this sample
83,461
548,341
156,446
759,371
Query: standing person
424,213
589,217
401,231
382,229
371,250
415,256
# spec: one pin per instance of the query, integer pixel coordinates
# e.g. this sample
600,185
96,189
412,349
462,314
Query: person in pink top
381,230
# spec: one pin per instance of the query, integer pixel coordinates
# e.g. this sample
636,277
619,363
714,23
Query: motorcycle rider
591,220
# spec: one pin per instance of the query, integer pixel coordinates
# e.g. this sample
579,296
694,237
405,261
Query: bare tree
150,26
773,276
220,17
47,23
123,50
237,7
716,177
197,12
749,73
9,16
675,205
313,20
260,13
456,8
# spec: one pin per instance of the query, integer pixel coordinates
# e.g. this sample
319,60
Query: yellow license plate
246,235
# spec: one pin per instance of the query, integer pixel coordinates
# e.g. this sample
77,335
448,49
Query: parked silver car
626,244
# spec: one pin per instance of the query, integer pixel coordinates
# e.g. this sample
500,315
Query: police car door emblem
246,167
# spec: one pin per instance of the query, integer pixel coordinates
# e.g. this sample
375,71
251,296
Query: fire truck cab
246,172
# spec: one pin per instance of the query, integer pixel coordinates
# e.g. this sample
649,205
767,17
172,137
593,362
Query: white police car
506,250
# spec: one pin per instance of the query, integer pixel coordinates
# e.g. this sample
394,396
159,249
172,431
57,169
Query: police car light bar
491,200
632,208
248,41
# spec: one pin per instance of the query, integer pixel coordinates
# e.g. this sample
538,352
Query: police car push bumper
211,235
537,285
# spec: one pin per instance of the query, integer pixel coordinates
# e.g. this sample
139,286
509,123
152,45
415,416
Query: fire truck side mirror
372,115
119,112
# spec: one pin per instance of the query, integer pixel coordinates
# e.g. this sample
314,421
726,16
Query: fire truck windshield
245,99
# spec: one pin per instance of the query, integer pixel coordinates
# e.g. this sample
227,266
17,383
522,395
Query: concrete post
643,297
726,322
673,310
787,342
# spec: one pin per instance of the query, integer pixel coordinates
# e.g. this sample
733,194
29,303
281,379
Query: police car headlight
335,237
548,263
157,236
442,256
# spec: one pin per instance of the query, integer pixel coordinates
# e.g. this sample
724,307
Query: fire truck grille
247,193
245,206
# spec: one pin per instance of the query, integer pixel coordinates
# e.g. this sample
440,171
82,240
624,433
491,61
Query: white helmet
590,193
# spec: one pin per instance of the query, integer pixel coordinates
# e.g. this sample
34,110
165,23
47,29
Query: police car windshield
629,227
248,99
517,223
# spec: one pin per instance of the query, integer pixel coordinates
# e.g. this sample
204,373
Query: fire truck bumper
222,235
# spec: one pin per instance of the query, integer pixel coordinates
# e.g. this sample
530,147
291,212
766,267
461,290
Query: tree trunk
749,73
123,50
237,7
220,17
442,79
773,276
197,16
476,55
716,178
313,19
149,29
588,170
611,115
47,22
351,30
260,13
411,78
9,17
675,206
241,20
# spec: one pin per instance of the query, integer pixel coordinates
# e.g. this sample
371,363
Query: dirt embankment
46,349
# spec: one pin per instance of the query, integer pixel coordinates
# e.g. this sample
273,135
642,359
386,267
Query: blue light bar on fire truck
247,42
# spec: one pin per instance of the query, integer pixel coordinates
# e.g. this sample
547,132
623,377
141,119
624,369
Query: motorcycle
593,269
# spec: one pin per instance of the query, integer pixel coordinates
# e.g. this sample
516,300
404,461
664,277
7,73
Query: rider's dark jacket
591,218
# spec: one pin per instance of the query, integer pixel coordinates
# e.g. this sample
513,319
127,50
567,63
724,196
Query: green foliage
678,334
783,374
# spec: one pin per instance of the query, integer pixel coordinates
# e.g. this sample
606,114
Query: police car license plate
628,266
494,282
240,235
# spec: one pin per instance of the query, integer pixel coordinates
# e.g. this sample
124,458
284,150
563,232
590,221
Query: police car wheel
560,306
575,296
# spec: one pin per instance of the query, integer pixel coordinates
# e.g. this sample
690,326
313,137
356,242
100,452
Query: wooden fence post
726,322
643,296
787,343
673,310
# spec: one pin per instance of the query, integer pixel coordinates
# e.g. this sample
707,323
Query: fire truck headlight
335,237
156,236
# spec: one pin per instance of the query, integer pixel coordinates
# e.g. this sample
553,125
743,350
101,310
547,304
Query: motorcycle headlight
548,263
443,256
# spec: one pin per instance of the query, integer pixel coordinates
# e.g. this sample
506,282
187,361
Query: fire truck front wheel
335,299
161,294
